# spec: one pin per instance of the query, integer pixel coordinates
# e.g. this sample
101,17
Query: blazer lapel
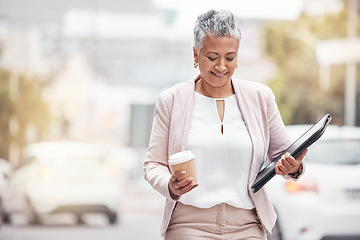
190,95
183,108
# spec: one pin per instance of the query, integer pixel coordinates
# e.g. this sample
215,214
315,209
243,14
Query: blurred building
114,44
123,40
113,57
49,14
96,49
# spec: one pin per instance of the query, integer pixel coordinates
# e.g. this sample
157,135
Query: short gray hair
215,23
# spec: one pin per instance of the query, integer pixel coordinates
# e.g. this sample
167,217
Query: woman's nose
220,66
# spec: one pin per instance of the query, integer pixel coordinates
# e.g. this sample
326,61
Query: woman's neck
214,92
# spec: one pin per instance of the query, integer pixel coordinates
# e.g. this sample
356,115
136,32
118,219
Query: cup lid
181,157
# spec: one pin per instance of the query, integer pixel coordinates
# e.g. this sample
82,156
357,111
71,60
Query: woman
231,126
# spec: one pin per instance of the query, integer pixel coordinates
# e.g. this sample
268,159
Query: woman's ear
195,55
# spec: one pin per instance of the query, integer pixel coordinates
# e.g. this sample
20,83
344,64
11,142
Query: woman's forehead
222,44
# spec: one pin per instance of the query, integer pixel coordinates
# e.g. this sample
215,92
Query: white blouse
222,160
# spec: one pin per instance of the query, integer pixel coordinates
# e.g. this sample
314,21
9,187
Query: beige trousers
222,221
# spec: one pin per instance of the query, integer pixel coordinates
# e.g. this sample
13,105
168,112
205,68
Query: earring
196,64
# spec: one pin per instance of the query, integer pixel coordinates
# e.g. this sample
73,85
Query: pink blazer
171,126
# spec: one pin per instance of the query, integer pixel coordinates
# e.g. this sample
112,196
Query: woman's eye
228,58
212,59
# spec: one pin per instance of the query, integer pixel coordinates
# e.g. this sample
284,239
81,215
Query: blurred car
62,177
325,202
5,172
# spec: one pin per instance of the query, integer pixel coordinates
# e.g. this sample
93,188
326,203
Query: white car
325,202
62,177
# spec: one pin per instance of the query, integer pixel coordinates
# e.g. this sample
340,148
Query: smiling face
217,61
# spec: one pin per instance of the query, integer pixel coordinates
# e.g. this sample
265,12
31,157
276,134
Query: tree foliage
6,110
29,109
300,95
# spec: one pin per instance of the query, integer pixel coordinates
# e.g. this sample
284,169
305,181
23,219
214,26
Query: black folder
295,149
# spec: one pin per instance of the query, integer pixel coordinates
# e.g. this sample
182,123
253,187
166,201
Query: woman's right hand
178,188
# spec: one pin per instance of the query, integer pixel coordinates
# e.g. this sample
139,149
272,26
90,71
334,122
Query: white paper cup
183,161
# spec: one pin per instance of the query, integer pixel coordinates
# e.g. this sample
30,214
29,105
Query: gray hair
215,23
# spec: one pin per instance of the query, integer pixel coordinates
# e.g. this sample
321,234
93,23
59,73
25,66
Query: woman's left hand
288,164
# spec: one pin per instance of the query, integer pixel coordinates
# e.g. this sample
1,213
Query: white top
222,160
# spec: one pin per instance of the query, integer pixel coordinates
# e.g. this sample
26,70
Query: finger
173,183
176,189
277,168
288,161
177,186
280,172
181,190
176,175
185,182
302,155
294,163
283,162
188,187
283,169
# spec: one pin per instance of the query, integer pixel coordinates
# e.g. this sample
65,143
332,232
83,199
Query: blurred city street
79,82
139,218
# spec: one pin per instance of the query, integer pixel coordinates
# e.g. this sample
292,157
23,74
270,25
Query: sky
254,9
85,22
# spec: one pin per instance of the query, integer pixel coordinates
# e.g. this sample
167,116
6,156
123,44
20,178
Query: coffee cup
183,161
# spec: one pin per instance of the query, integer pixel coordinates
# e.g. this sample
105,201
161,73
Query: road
132,227
140,218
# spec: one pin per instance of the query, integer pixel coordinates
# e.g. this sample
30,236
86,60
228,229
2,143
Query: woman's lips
219,74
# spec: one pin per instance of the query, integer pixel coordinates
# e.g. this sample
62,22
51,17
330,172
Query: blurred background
90,71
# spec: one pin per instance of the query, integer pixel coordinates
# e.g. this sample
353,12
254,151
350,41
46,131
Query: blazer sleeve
156,167
279,137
